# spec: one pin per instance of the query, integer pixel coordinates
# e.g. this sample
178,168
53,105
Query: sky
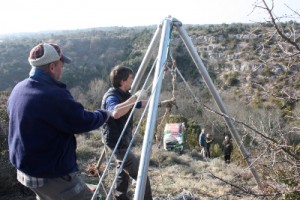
17,16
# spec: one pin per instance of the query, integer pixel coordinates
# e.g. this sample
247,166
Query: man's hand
142,94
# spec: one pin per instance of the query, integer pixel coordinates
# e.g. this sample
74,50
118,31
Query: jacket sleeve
69,116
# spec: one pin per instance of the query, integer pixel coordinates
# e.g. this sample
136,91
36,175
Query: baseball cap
45,53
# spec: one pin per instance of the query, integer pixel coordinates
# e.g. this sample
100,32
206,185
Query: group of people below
44,119
205,141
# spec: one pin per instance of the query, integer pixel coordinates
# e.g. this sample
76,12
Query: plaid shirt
29,181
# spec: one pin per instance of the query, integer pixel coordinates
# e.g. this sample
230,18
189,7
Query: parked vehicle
174,137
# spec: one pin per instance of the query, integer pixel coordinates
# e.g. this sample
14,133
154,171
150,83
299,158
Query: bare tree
272,135
287,37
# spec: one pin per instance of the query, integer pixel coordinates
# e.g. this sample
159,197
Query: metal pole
145,60
202,70
152,114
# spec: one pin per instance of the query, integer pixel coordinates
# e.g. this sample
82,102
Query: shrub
231,78
215,150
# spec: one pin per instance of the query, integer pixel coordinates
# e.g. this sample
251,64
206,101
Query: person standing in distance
119,101
227,149
43,121
202,143
209,140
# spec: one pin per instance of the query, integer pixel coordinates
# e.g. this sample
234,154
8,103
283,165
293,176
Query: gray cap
45,53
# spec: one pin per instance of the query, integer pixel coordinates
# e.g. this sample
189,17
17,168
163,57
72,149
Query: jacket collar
40,75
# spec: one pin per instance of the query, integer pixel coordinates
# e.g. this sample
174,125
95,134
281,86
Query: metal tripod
165,29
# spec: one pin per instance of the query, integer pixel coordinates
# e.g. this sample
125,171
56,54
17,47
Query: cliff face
250,62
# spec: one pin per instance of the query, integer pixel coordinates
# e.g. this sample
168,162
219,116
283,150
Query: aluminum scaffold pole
152,114
146,60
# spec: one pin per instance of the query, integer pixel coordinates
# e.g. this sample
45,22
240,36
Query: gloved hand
141,94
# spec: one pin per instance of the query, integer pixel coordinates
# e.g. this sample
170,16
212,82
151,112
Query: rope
192,93
172,101
195,98
169,104
175,69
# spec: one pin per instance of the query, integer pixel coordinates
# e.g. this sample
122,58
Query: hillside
172,176
242,57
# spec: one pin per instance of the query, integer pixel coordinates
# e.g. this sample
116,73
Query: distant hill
240,57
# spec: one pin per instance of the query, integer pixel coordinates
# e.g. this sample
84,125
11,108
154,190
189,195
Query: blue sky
39,15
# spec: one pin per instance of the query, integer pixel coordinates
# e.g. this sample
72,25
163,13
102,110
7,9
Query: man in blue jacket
43,118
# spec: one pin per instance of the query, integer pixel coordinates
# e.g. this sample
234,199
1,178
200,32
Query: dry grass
178,176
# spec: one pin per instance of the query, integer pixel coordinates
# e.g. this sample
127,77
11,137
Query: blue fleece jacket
43,118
